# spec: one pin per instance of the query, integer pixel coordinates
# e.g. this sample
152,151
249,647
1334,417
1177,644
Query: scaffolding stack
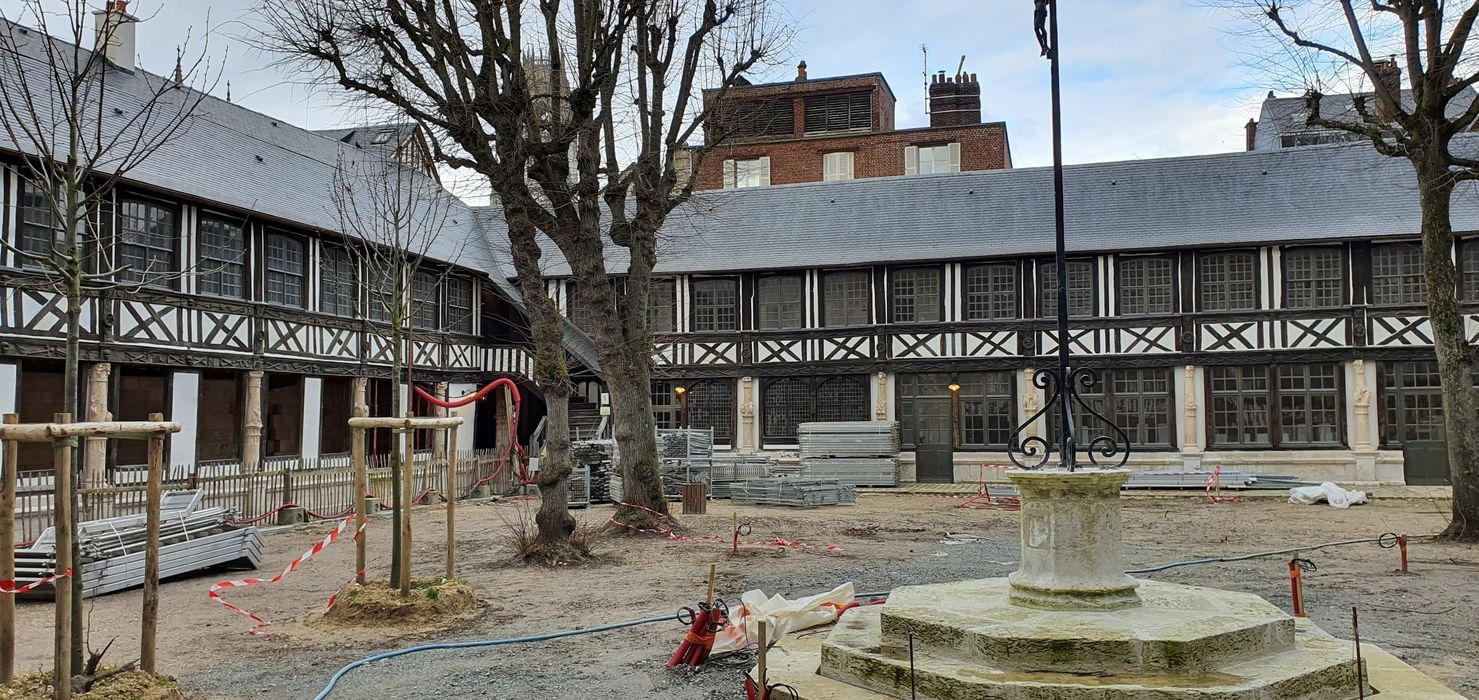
856,453
724,474
796,493
191,538
580,487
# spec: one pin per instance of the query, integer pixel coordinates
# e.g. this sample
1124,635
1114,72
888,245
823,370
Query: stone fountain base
1070,625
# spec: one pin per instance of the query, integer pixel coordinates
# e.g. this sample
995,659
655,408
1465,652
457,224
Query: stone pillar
1071,556
184,408
747,442
1361,396
95,455
1189,408
1029,401
880,397
358,388
251,441
439,437
313,416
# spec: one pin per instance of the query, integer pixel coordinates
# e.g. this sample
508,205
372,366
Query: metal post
62,512
452,503
7,555
361,488
1067,454
151,550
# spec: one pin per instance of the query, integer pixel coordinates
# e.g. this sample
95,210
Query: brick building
842,128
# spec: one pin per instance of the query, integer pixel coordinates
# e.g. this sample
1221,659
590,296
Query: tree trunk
69,403
397,454
1450,342
629,380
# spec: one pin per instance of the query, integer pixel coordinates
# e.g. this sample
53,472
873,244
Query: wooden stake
361,489
452,503
7,555
760,663
408,471
1360,676
734,530
151,551
713,570
62,512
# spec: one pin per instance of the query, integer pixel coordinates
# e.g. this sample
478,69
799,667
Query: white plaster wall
9,384
313,410
467,432
184,408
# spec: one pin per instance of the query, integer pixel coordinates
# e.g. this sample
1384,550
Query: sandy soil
1429,618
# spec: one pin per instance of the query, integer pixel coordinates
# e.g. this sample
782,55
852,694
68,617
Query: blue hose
334,680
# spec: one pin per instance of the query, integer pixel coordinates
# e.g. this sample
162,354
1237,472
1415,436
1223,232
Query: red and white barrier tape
215,591
9,586
663,518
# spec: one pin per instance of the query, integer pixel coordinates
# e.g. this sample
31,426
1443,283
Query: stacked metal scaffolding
1204,478
797,493
857,453
191,538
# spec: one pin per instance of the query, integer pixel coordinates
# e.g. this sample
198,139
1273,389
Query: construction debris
1207,478
794,492
191,538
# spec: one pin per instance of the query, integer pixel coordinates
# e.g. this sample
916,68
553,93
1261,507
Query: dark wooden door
934,441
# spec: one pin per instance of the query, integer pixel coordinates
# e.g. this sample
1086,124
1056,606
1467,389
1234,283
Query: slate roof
1311,193
384,138
1287,116
238,158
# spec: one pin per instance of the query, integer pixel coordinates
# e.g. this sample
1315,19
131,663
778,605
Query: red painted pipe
1296,587
1402,547
513,420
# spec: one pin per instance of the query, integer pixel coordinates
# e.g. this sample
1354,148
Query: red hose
513,423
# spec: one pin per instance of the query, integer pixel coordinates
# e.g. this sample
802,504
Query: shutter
844,171
765,170
728,174
911,160
954,157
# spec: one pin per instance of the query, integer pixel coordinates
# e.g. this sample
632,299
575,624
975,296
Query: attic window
383,136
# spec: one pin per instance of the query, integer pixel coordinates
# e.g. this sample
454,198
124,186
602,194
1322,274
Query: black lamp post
1062,382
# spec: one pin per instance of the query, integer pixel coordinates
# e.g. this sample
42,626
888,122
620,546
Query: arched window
787,404
841,398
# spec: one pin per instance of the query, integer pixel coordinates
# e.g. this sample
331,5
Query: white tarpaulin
781,615
1327,492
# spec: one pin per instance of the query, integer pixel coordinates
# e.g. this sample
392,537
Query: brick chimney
955,101
1388,75
114,33
1250,134
801,72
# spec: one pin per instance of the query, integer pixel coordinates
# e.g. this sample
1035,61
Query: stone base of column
1071,558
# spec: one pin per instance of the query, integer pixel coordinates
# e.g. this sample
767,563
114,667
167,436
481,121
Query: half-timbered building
1262,311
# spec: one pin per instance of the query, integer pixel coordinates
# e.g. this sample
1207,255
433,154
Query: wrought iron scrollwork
1032,451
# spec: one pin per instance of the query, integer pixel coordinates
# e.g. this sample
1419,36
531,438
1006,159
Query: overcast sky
1142,78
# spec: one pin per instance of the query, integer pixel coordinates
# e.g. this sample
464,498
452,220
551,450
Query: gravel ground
1429,618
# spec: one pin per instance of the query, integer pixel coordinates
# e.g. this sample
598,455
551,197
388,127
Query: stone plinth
1071,558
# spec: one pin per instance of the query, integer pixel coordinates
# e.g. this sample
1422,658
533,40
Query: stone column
747,415
251,442
880,398
358,388
1361,417
1071,556
439,437
9,383
95,456
1029,401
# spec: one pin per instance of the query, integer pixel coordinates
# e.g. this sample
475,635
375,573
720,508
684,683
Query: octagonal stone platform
970,643
1175,629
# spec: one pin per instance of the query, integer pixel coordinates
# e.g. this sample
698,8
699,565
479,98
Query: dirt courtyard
1429,618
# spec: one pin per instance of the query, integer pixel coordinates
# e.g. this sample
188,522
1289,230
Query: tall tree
1337,42
578,113
393,219
82,123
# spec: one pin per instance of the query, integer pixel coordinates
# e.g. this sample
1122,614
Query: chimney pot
801,72
114,33
1250,133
